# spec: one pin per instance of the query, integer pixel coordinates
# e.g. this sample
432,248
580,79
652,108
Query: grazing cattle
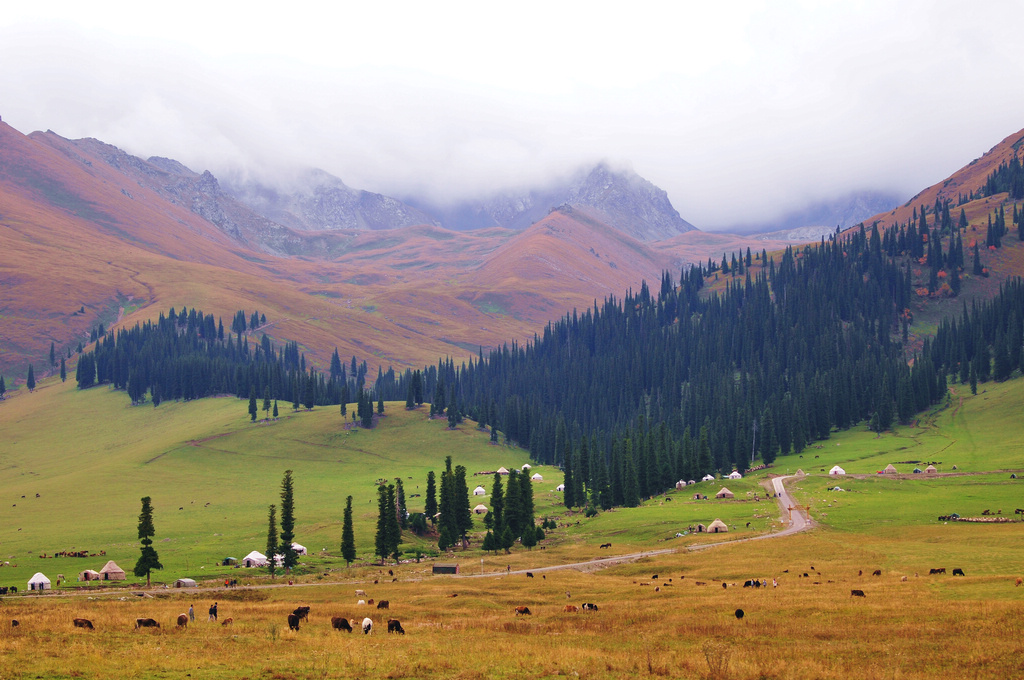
748,584
293,622
724,586
146,623
15,624
606,545
571,609
529,574
341,623
383,604
876,572
390,572
367,625
370,601
940,570
958,572
589,607
903,578
739,613
182,620
361,602
302,612
654,577
227,622
82,623
699,583
395,626
1020,581
360,593
856,593
522,610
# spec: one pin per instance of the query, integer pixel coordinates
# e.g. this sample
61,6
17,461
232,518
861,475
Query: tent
691,482
112,572
800,472
930,470
836,470
560,487
537,478
502,471
707,478
479,491
299,549
701,528
735,475
254,559
89,575
725,493
889,470
39,582
526,467
480,509
185,583
680,484
229,561
717,527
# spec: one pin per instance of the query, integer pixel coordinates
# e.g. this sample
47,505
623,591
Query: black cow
589,607
383,604
82,623
958,572
395,626
302,613
856,593
739,613
341,623
876,572
146,623
293,622
14,623
529,574
940,570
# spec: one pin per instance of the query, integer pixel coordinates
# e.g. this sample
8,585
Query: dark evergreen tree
63,370
252,404
272,540
430,505
291,558
498,503
385,512
53,354
348,537
149,559
403,512
30,381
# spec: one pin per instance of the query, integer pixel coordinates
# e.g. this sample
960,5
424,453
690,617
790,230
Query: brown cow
83,623
395,626
293,622
341,623
146,623
182,620
571,609
383,604
522,610
857,593
940,570
876,572
301,612
227,622
1020,581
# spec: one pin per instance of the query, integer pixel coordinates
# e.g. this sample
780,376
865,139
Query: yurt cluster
482,509
110,572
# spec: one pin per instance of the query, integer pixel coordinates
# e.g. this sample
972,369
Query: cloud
740,113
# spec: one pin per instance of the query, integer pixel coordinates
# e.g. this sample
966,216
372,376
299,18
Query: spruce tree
275,409
380,405
381,541
148,560
266,401
63,370
529,538
507,539
460,494
30,381
288,521
272,540
348,538
3,387
394,531
53,354
430,505
497,503
252,404
403,513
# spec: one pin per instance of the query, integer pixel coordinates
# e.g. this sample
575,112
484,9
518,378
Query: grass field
60,443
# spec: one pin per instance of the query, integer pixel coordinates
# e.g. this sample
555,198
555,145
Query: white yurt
479,491
707,478
39,582
502,471
537,478
931,470
836,470
527,467
112,572
89,575
691,482
299,549
725,493
560,487
480,509
185,583
735,475
254,559
717,527
680,484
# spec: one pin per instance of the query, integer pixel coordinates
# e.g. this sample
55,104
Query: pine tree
403,512
380,405
30,381
149,559
252,404
394,531
3,387
288,521
497,503
507,540
348,537
266,401
53,354
463,513
444,539
382,543
430,505
489,545
529,538
63,370
275,409
272,540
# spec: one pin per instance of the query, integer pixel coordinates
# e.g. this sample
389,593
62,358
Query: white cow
367,625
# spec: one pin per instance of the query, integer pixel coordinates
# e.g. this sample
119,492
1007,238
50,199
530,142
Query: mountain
820,219
324,202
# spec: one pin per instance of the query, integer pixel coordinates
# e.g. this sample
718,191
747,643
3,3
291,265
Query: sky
741,111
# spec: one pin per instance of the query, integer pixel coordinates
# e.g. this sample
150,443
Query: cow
589,607
522,610
748,584
529,574
940,570
370,601
227,622
606,545
361,602
367,625
876,572
341,623
146,623
856,593
739,613
182,620
958,571
383,604
82,623
360,593
15,624
395,626
293,622
1020,581
571,609
302,613
903,579
654,577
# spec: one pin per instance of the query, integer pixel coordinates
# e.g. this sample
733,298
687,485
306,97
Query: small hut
445,568
707,478
526,467
299,549
112,572
560,487
836,470
185,583
701,528
479,491
90,575
930,470
502,471
229,562
254,559
536,477
735,475
725,493
480,509
680,485
39,582
691,482
799,473
889,470
717,527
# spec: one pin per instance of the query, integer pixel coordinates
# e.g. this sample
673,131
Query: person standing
213,612
191,614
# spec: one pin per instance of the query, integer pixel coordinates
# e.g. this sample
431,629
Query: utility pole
753,443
